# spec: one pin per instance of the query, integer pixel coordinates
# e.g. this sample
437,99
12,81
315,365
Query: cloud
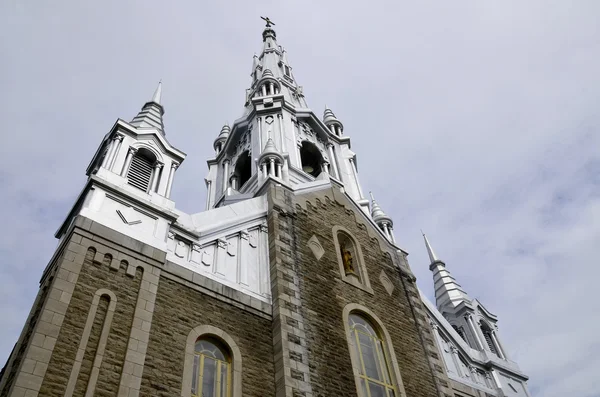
483,116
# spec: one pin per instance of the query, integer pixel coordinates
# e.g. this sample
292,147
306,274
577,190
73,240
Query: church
289,283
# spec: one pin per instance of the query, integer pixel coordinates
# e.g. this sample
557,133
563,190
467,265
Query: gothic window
373,365
350,259
243,170
140,169
311,159
212,369
286,69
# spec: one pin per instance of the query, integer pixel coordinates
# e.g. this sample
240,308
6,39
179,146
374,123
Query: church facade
289,283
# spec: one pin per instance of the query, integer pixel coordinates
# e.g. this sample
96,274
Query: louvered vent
140,172
490,343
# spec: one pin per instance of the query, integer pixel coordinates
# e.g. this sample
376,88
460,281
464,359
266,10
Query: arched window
140,171
373,365
487,334
243,170
212,369
460,331
311,159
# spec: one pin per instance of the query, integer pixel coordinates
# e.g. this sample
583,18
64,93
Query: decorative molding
101,343
125,219
316,247
387,283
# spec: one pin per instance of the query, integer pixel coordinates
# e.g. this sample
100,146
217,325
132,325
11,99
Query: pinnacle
151,114
377,213
158,93
432,256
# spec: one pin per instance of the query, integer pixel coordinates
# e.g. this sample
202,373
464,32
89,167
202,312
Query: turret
384,222
270,162
332,122
221,139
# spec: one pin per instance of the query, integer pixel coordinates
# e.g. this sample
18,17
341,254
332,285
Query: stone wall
178,310
94,275
313,295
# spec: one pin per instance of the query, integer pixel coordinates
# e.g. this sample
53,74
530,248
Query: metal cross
268,21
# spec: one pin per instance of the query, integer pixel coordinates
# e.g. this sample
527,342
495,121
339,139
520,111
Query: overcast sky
475,121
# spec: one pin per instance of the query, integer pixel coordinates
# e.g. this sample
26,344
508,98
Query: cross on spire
268,21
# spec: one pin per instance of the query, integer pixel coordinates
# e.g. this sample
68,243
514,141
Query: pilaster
292,378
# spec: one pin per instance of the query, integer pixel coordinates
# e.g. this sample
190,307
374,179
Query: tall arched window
374,368
212,369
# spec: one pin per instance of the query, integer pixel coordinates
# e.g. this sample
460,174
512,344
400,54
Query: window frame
201,362
211,332
362,281
388,349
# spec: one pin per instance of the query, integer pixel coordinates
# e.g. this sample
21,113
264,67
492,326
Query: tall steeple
448,291
310,152
151,115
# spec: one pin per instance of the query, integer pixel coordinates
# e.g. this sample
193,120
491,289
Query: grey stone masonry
434,357
292,378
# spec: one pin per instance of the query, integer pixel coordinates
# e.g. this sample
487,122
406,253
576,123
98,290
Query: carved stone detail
387,283
316,247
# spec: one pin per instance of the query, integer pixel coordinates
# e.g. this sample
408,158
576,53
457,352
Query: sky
475,121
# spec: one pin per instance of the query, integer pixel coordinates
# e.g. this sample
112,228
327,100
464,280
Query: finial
432,256
371,194
268,21
158,93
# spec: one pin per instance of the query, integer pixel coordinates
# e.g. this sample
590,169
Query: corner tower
466,330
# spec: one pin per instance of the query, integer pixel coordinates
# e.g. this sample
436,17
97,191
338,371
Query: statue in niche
347,259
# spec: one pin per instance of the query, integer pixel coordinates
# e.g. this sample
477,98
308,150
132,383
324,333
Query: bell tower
280,138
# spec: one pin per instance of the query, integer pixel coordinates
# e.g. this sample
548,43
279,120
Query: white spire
158,93
448,291
151,114
432,256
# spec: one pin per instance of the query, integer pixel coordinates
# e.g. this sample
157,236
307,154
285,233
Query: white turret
332,122
384,222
